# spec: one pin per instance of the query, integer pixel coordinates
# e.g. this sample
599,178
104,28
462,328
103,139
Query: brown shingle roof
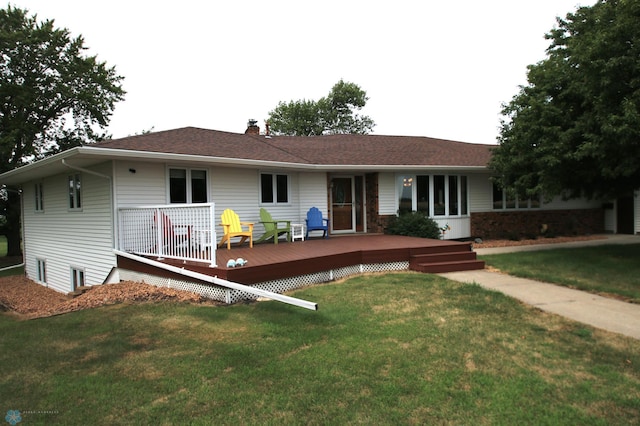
360,150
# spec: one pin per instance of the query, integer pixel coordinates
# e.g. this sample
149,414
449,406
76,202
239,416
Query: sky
440,69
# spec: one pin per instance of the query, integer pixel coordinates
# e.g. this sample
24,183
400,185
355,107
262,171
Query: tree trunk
13,230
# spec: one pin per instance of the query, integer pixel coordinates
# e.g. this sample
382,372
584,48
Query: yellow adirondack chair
232,228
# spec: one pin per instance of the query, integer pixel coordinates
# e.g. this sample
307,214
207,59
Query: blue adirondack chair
315,222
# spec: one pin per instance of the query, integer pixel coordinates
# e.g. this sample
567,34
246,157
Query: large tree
52,97
334,114
574,129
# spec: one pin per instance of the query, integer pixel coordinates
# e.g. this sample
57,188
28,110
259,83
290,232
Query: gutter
220,282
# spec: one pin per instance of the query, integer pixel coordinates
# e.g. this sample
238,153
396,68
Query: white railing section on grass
176,231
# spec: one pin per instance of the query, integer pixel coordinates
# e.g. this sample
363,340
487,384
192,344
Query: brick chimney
252,128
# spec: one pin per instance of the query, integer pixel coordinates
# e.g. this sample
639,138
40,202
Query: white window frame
39,197
517,203
189,188
274,183
403,179
41,270
74,192
78,277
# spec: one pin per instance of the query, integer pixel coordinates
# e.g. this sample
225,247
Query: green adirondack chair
273,228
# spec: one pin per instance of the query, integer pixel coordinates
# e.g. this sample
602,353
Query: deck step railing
177,231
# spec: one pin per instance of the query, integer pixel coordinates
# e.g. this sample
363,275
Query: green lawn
608,269
3,246
383,349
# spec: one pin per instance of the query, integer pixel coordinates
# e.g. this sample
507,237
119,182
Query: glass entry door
347,209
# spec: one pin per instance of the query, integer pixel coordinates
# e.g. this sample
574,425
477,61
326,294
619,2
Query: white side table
297,231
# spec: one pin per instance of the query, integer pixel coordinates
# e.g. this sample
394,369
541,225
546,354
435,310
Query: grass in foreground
382,349
609,269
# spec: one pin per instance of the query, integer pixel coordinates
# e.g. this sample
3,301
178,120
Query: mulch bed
28,299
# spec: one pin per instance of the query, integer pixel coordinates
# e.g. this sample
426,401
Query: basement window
41,270
77,278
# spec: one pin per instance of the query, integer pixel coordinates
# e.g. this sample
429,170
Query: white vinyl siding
480,193
64,238
579,203
140,184
239,190
481,198
312,189
386,194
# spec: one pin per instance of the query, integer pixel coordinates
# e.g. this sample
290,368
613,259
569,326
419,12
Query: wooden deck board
268,261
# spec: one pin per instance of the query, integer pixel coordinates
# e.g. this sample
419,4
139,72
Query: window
274,188
41,266
77,278
453,195
422,192
405,200
464,209
188,186
39,201
439,207
75,193
507,200
435,195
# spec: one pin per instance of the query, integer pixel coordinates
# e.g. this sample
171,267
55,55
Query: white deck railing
177,231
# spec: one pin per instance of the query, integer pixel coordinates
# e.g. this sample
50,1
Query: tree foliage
334,114
574,130
52,96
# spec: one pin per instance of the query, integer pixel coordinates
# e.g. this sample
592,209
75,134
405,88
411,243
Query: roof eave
23,174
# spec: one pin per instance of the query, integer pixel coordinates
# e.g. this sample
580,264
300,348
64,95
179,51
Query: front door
347,206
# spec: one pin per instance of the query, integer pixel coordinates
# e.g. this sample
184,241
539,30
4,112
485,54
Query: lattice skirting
276,286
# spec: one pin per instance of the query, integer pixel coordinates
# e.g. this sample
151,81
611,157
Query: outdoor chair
315,222
232,227
176,239
273,228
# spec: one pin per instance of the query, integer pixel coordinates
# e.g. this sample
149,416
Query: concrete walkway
601,312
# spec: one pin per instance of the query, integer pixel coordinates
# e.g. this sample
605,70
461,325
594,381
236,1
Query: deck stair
459,257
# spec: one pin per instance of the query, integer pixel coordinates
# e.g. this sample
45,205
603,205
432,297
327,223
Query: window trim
39,197
74,192
517,203
189,183
275,192
408,179
41,270
77,276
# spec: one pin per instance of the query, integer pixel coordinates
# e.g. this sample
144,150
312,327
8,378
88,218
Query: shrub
413,224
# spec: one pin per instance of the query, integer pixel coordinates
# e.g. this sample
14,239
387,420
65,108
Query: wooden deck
268,261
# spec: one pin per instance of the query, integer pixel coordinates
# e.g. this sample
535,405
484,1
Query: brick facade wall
376,224
534,223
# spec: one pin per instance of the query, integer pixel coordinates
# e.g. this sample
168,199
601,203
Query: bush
414,224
